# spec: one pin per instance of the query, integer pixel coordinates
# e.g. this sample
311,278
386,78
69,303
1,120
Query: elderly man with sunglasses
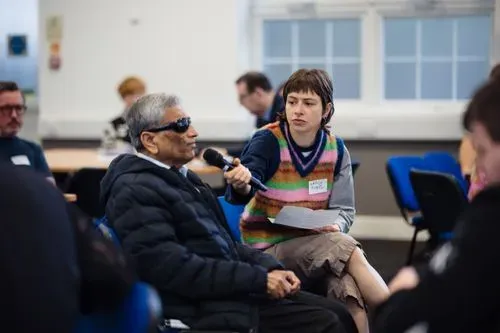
13,149
171,224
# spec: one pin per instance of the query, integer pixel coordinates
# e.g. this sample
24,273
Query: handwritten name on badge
317,186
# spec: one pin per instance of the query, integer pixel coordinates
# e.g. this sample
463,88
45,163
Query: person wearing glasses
173,227
13,149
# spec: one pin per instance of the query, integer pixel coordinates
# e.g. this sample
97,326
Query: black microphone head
213,157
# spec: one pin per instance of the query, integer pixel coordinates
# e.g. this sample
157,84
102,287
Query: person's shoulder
28,145
490,195
263,140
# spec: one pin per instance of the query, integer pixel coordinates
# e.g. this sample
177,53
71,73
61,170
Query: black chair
86,184
355,165
441,199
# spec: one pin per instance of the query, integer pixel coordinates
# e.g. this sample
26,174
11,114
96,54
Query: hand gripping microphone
214,158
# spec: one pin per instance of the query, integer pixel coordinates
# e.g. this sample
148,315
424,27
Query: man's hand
407,278
239,177
294,281
328,228
281,284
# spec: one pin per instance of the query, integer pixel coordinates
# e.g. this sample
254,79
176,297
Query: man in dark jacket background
460,289
170,223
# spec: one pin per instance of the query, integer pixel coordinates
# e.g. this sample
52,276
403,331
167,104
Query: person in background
256,94
13,149
55,266
303,165
459,291
172,225
467,154
129,90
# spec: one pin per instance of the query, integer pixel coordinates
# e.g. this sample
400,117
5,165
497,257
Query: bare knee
357,257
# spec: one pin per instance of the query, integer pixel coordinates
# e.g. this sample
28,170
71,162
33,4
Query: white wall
198,53
372,117
19,17
189,47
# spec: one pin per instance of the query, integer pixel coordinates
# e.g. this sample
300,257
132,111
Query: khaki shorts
322,256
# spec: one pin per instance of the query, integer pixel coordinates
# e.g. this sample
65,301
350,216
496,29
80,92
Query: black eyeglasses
18,108
181,125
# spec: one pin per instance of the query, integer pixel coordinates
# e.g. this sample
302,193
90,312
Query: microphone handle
254,181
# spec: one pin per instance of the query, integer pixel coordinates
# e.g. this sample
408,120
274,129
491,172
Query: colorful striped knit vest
287,188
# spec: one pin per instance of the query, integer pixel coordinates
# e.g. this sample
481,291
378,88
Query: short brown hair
255,80
311,80
130,86
484,108
10,86
495,72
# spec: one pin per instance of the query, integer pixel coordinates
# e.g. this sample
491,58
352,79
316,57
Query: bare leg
358,314
370,283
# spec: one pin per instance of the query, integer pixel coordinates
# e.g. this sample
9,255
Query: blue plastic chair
233,214
139,313
398,170
444,162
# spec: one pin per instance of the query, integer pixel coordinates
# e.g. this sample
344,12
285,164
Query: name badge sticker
318,186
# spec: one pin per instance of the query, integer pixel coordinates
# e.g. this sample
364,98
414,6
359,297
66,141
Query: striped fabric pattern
288,188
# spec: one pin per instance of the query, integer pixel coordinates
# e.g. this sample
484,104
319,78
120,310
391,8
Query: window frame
373,117
454,62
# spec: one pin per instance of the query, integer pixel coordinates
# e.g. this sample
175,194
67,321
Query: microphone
216,159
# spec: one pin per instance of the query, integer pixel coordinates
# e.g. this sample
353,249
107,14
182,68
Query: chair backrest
139,313
233,214
355,165
446,163
86,184
441,200
398,170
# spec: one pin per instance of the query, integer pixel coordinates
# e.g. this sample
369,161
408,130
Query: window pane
474,35
470,75
346,38
312,66
437,37
400,37
436,81
346,81
312,38
277,39
278,73
400,81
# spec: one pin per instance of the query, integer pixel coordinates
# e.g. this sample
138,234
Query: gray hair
146,113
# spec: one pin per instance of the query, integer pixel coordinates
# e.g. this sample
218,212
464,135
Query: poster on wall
17,45
54,31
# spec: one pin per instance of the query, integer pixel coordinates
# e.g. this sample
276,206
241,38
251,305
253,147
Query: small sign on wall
54,30
17,45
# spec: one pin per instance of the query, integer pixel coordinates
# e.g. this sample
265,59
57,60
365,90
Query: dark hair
484,108
255,80
311,80
495,72
8,86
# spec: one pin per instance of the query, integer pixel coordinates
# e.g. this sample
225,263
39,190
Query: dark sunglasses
181,125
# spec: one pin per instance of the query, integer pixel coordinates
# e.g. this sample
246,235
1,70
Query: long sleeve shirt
262,157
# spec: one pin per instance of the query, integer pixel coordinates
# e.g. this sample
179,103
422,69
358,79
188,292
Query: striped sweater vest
287,188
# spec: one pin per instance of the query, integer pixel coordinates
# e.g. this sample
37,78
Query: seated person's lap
314,258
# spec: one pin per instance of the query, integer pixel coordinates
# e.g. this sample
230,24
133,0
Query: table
69,160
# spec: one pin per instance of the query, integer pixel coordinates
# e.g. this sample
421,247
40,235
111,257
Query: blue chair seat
139,313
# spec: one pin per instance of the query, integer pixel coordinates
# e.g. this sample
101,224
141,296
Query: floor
387,256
